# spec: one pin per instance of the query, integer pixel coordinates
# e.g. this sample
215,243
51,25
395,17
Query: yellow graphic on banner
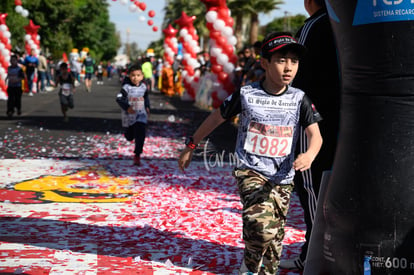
91,185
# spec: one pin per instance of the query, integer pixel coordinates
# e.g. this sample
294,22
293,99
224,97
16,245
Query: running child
134,102
67,88
271,113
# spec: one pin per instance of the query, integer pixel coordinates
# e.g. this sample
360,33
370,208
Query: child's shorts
66,100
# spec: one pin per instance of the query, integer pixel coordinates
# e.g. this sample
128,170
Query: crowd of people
33,73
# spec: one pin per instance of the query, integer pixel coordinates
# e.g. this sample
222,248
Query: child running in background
271,114
67,88
14,78
134,102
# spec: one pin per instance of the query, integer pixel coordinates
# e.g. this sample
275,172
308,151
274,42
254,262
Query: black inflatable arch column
367,222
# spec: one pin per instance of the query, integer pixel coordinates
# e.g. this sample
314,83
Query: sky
141,33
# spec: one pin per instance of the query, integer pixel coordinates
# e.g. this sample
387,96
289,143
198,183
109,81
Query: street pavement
71,202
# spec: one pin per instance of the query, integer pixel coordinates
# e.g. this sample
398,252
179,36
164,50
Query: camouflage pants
264,217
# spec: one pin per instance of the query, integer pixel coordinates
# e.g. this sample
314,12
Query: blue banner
376,11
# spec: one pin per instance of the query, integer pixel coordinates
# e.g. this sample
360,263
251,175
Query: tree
252,8
280,24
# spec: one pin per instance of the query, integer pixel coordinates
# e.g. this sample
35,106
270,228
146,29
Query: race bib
137,104
13,79
269,140
66,89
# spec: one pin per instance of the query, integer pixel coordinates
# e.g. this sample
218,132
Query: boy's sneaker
137,160
295,264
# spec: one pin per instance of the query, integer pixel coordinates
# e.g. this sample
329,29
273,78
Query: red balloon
223,13
229,21
142,6
31,28
234,59
190,71
221,41
210,26
150,22
155,28
213,60
3,18
228,49
170,31
151,13
215,34
216,68
18,2
223,77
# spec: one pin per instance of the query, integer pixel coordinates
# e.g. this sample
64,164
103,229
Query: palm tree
251,8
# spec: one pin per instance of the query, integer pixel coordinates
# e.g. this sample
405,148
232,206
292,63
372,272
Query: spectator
31,62
42,72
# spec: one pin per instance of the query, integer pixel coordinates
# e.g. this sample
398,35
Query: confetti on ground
165,220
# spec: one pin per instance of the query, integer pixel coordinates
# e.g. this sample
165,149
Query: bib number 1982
268,140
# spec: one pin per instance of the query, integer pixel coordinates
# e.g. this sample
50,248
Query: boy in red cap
271,113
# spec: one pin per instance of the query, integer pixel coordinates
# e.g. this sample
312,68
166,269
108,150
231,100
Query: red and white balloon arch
5,53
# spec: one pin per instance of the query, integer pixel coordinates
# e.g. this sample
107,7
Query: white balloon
193,44
219,25
174,40
228,67
169,51
142,18
197,73
194,63
38,37
183,32
227,31
25,13
123,2
222,59
187,38
3,28
187,56
232,40
18,9
27,37
211,16
215,51
132,8
5,52
7,34
2,46
184,73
